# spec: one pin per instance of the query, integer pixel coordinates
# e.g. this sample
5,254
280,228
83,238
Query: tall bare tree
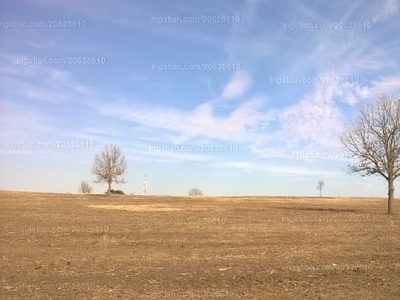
373,140
320,186
109,166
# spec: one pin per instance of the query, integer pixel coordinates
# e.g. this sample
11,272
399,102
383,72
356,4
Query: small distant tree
109,166
85,188
320,186
195,192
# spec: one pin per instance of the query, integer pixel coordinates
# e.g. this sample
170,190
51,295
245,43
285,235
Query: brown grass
136,207
66,246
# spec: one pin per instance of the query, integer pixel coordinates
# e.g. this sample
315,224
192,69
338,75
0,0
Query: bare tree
320,186
195,192
84,188
373,140
109,166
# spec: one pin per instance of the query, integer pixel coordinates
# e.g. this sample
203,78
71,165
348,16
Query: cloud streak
237,86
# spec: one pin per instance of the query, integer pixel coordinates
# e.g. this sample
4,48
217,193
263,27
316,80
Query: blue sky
278,136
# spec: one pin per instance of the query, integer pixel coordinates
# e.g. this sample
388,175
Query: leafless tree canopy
85,188
195,192
320,186
373,140
109,166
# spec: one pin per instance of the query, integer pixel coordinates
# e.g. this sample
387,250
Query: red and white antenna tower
145,185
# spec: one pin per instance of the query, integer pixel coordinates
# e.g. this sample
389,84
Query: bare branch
320,186
109,166
195,192
85,188
373,139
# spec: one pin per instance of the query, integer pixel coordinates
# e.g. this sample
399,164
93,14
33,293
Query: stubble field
65,246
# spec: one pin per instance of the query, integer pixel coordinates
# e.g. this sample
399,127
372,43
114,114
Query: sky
234,97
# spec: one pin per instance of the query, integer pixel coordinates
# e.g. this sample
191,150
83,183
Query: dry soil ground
61,246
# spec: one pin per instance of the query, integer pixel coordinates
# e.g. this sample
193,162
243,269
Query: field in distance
67,246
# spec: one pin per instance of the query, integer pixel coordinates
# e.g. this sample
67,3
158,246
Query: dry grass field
65,246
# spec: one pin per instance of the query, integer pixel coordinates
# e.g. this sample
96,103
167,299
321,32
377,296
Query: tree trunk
390,196
109,188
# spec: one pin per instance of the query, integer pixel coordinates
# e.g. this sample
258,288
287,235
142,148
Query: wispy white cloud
18,121
238,85
274,169
385,9
44,83
386,84
200,122
246,44
315,118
